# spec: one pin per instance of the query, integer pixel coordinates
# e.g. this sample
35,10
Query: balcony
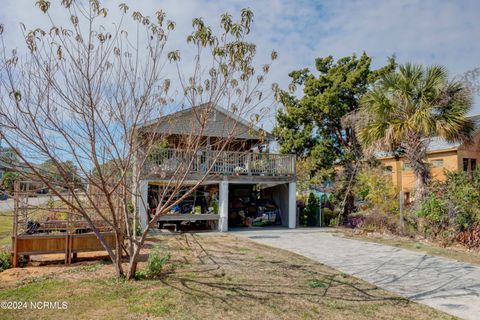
173,163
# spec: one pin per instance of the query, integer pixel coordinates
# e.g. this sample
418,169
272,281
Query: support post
223,207
320,219
401,196
292,205
142,204
16,188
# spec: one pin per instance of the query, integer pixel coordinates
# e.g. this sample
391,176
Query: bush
5,260
156,262
355,221
8,179
311,211
435,214
50,203
463,196
470,238
452,209
329,217
375,187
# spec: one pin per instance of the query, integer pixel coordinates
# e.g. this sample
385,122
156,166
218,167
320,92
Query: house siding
452,160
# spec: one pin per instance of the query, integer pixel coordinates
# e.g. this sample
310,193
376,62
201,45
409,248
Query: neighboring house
244,167
442,156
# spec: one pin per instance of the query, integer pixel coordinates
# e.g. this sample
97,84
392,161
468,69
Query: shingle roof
170,120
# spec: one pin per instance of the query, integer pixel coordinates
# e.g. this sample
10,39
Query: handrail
170,160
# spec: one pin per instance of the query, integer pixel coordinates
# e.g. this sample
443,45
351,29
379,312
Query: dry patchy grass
208,277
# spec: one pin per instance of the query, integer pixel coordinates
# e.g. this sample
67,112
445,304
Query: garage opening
198,211
239,205
257,205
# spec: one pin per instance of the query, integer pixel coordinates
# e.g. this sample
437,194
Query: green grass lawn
208,277
5,229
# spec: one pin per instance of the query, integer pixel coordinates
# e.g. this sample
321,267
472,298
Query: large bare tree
85,93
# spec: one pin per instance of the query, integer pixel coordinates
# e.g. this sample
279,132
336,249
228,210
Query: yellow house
442,156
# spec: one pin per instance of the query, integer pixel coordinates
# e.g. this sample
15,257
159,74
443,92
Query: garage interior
249,205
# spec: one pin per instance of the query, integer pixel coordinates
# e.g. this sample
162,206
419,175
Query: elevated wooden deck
218,165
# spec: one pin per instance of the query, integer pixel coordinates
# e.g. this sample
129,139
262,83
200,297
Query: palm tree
407,108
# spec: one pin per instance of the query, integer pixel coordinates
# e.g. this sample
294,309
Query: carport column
292,205
142,203
223,207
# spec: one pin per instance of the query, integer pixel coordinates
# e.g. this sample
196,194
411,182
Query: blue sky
422,31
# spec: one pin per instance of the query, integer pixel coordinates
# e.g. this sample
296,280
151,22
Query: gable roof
220,124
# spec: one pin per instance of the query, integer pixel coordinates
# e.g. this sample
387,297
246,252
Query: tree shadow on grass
220,272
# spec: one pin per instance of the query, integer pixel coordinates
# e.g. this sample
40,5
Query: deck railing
176,161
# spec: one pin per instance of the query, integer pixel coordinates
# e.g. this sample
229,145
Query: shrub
311,211
5,261
8,179
470,237
355,221
375,187
452,208
329,216
433,209
156,262
463,195
50,203
380,222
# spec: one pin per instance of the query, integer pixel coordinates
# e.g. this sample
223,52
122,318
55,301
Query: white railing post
227,162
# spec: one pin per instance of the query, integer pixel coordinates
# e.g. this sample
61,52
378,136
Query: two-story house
232,162
442,156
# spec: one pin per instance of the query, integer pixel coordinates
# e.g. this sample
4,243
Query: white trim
292,205
223,206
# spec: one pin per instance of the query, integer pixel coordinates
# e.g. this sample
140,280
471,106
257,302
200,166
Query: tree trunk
348,204
422,174
118,253
133,262
416,153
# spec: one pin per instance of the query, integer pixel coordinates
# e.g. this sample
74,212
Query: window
469,164
388,168
407,198
437,163
473,164
465,164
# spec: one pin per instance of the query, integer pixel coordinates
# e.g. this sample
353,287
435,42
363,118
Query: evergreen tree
313,125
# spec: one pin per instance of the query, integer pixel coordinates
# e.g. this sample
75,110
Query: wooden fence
50,228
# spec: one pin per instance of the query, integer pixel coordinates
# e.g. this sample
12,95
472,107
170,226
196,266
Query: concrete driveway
7,205
443,284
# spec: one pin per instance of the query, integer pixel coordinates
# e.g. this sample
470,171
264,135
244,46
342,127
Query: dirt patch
14,276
